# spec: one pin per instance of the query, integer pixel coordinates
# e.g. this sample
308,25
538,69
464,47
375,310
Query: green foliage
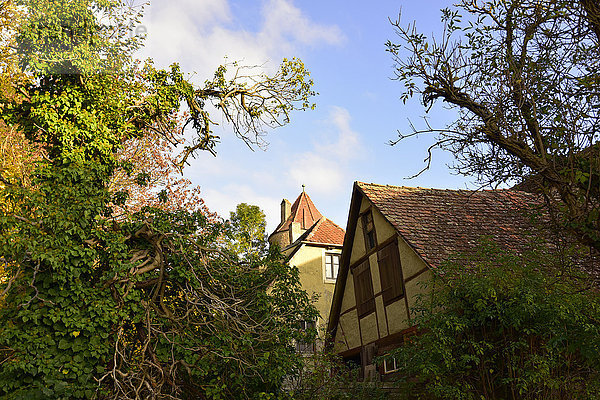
101,305
247,231
501,326
326,377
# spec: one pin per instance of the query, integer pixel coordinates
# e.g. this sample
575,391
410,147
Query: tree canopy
141,304
247,228
524,77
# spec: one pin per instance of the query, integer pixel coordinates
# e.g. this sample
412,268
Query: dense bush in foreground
506,327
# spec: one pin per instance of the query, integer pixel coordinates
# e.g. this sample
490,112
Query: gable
347,328
428,226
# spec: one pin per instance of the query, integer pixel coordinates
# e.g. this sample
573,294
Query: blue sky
358,106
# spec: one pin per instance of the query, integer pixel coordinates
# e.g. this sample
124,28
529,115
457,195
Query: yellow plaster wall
411,262
397,318
383,229
311,264
375,278
339,344
368,328
349,326
380,309
358,244
348,301
414,288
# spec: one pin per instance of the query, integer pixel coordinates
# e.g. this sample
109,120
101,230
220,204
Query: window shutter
363,288
390,272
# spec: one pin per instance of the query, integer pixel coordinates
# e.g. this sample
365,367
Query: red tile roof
326,231
303,211
438,223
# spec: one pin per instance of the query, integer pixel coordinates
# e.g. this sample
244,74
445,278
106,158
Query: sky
358,108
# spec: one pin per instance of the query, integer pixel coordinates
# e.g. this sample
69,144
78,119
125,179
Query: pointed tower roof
303,211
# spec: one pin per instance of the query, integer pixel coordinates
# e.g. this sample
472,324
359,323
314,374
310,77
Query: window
390,272
369,230
332,264
306,347
363,289
390,365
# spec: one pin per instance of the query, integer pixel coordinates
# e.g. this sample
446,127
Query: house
312,243
396,237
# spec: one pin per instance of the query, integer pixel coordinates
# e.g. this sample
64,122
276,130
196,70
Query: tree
502,326
247,231
140,305
524,76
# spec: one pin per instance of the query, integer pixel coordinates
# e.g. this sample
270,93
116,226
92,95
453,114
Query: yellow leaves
75,333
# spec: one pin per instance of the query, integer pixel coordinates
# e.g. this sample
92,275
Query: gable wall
387,320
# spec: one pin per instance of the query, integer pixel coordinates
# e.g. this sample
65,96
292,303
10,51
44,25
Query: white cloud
324,168
284,20
347,145
199,34
319,173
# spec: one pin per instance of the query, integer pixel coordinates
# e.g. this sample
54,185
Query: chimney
286,210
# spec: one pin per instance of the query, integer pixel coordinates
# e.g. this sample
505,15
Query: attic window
363,289
332,264
369,230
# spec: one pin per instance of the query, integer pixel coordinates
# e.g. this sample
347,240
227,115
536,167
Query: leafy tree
247,228
502,326
139,305
525,77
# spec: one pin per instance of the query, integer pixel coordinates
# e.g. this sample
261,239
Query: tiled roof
438,223
326,231
303,211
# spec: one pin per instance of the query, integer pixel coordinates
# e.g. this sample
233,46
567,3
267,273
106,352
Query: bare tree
524,76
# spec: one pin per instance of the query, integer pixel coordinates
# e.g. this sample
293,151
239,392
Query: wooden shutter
390,272
363,289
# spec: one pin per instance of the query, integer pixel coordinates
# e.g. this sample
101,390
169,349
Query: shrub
501,326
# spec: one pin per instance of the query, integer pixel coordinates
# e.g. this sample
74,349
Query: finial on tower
303,188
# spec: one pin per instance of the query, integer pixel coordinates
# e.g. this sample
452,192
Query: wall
353,333
310,260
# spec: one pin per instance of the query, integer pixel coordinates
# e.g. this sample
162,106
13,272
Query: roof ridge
480,190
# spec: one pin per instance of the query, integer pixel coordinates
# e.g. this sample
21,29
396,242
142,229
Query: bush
326,377
500,326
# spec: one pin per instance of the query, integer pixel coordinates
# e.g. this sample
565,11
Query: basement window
306,347
390,365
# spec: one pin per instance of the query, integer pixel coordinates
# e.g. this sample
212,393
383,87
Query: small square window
332,265
390,365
